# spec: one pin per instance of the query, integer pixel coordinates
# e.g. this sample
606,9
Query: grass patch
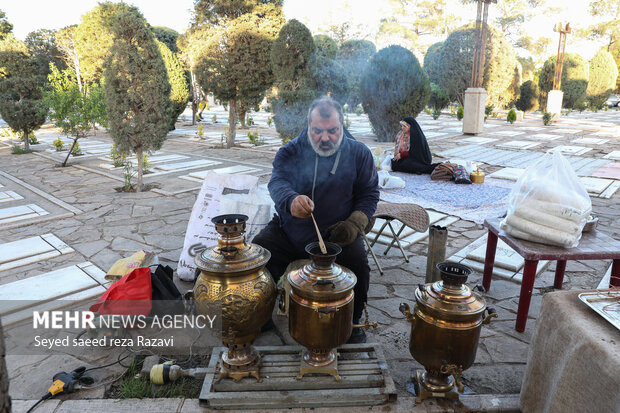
18,150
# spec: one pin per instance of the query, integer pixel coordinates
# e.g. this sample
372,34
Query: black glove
345,232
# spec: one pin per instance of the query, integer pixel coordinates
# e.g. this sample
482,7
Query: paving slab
519,144
26,251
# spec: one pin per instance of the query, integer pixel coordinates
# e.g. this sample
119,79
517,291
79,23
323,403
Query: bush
325,46
528,97
546,118
512,116
459,113
18,150
602,80
432,62
439,98
329,78
393,86
436,113
58,144
179,90
574,80
488,109
354,55
76,151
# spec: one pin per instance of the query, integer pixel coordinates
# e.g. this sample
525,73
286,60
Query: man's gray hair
325,104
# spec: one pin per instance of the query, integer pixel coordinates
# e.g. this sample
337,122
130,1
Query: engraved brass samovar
445,329
233,278
321,309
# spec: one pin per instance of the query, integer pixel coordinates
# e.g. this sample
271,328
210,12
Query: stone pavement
73,223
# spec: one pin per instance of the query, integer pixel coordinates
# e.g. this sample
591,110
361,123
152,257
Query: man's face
325,133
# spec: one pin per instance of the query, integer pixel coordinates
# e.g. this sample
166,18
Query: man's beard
325,152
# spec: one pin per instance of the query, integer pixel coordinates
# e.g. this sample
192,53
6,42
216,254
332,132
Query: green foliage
118,158
439,98
329,78
325,46
76,150
546,118
18,150
574,80
290,57
269,121
436,113
354,55
453,66
5,26
167,36
21,99
459,113
179,90
200,132
512,116
136,88
432,62
33,139
235,62
128,174
58,144
393,86
602,80
217,12
42,45
515,86
488,109
528,97
214,118
255,139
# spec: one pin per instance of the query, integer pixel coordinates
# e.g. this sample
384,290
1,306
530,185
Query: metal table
592,246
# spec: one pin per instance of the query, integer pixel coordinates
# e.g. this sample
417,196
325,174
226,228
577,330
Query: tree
394,85
234,64
432,61
511,16
602,79
607,26
454,66
574,80
528,97
325,46
167,36
75,111
216,12
65,39
179,93
354,55
136,87
21,98
290,56
5,26
329,78
42,45
438,98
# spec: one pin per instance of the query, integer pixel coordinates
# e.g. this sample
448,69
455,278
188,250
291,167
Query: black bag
166,296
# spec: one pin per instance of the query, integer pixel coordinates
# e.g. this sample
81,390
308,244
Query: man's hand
302,207
345,232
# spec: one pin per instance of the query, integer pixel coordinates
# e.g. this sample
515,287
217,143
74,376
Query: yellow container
477,177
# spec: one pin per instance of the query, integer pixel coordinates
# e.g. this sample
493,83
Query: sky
29,15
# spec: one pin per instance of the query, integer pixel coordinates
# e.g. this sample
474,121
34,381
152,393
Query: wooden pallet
365,381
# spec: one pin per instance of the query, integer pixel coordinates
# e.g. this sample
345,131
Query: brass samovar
321,309
233,278
445,329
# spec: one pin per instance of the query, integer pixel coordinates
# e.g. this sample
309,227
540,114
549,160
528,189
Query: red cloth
130,295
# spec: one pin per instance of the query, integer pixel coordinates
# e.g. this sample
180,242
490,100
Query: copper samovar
445,328
233,278
321,309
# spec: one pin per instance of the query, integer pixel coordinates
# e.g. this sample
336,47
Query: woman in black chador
411,153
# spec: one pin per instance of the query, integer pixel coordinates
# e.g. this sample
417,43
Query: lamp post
475,95
554,98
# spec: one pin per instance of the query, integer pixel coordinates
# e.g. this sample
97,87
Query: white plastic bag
548,203
386,163
387,181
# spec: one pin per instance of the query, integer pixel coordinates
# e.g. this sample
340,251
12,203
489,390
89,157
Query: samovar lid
232,254
451,296
322,277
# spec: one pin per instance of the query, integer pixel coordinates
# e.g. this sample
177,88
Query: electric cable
47,396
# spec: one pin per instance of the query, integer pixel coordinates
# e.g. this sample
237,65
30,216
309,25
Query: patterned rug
474,202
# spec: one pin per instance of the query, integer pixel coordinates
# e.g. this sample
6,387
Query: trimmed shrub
179,90
325,46
354,55
574,80
459,113
546,118
528,97
439,98
432,62
393,86
602,80
512,116
329,78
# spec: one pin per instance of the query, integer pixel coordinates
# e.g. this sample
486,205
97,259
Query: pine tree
21,96
136,88
574,80
179,92
602,80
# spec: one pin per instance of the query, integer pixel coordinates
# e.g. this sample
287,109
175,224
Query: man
324,171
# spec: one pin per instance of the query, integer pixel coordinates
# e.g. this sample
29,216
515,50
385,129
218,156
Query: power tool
65,383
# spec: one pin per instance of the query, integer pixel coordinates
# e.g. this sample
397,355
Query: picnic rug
475,202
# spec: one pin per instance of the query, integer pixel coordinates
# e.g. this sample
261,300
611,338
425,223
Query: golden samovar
445,328
321,309
233,279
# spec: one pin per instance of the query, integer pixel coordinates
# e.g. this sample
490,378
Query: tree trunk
5,400
26,140
242,114
140,158
232,124
194,97
70,152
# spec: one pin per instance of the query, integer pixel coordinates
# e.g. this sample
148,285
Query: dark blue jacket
353,186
